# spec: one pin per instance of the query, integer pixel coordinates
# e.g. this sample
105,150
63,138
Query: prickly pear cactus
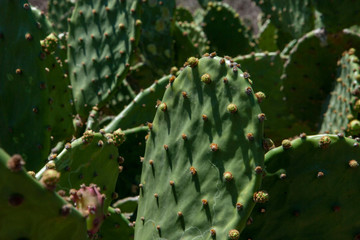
301,179
48,216
306,87
267,37
203,158
156,41
25,126
190,40
60,96
265,71
336,14
101,41
293,18
90,159
183,15
343,106
116,226
221,20
42,22
59,12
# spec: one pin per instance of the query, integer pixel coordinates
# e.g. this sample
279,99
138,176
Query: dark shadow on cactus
174,193
187,106
195,179
85,71
188,146
208,213
228,92
168,122
207,130
169,158
152,136
159,230
231,188
199,90
211,91
153,170
182,222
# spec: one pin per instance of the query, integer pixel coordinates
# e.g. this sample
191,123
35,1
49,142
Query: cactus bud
261,197
15,163
206,78
50,178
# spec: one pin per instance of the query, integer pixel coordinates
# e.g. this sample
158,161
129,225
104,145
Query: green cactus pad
309,184
306,87
42,22
225,30
203,132
265,71
25,126
267,37
292,18
183,15
142,109
30,211
338,14
156,41
59,12
340,108
89,160
101,41
116,226
190,40
60,96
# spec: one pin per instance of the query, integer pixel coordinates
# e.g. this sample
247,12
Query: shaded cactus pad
313,187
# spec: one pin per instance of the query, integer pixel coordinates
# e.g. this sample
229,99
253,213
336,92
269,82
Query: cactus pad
116,226
338,14
183,15
21,195
306,87
25,126
190,40
59,13
60,96
101,41
301,183
90,159
225,30
156,41
341,108
293,18
265,71
201,154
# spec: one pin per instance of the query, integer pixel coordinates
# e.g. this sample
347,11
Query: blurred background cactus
174,119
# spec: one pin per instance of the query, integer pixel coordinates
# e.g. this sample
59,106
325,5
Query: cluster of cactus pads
140,119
